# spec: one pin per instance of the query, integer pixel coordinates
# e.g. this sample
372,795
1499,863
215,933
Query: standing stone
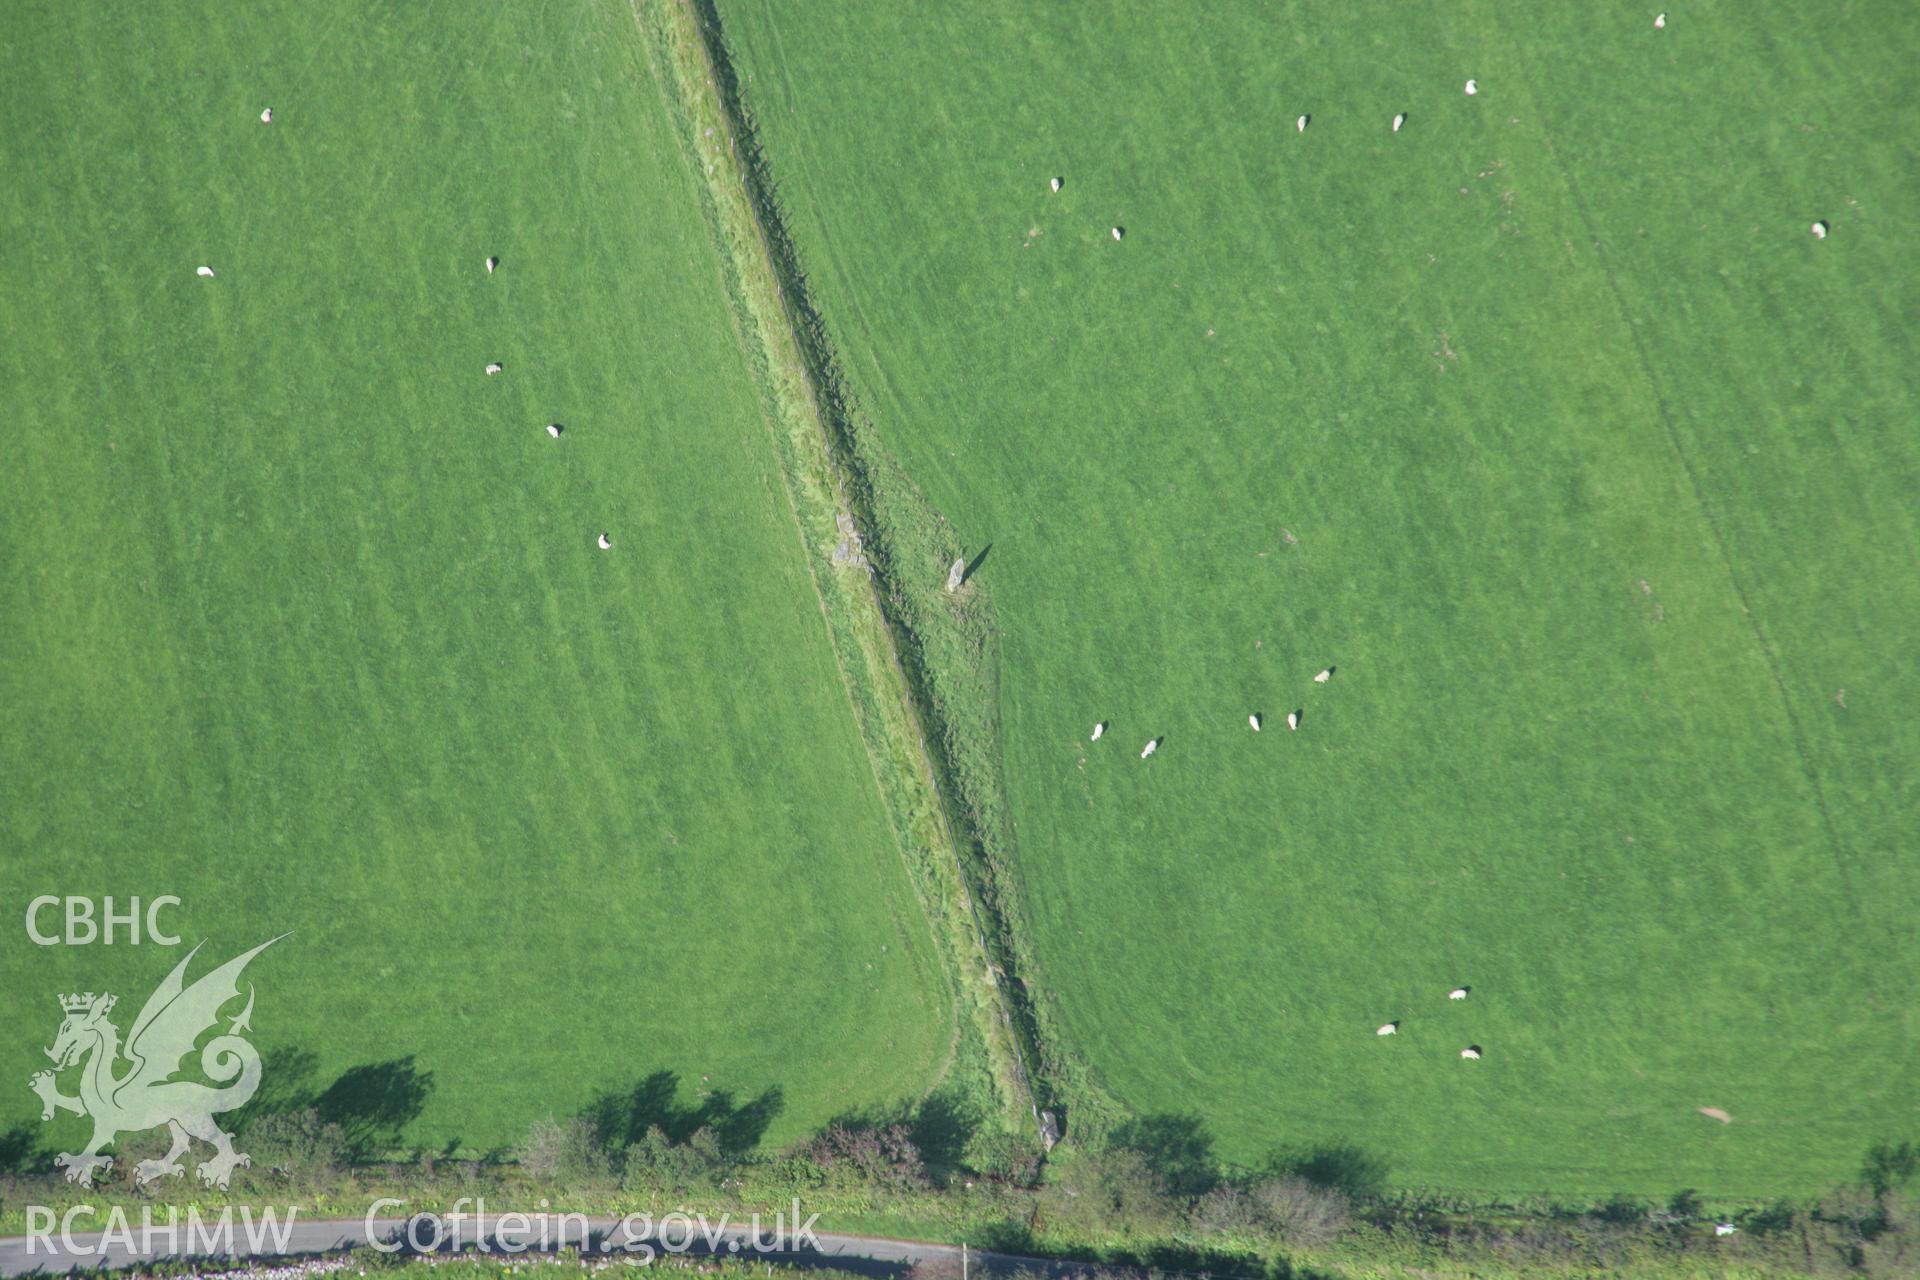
956,575
1049,1130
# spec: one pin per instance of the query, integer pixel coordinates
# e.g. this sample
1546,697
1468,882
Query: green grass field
1602,473
1544,421
301,614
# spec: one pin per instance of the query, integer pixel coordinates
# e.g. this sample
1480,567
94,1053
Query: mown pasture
304,619
1545,421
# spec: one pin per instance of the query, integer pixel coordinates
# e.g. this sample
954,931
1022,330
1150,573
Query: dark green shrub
1890,1166
656,1163
298,1146
1300,1213
1771,1220
568,1153
1107,1192
1685,1205
1622,1211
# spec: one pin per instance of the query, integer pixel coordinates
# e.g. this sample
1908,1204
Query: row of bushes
1153,1199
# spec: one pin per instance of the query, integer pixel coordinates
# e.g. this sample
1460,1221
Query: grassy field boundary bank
851,550
941,645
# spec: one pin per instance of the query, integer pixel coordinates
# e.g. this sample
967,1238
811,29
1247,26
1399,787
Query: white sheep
1473,87
1398,121
1057,183
1119,232
1660,22
1724,1228
1097,731
494,367
1150,748
605,543
266,117
1458,993
1471,1052
206,272
554,429
1324,676
1254,720
1390,1029
1819,230
1302,123
1293,719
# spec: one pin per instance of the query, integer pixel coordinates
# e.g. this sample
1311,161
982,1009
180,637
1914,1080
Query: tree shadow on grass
622,1119
371,1104
942,1127
1178,1147
286,1085
20,1150
374,1104
1336,1166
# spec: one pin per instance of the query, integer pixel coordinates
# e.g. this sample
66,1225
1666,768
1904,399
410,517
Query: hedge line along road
54,1252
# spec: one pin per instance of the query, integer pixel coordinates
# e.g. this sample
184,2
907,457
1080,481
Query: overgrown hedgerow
1114,1205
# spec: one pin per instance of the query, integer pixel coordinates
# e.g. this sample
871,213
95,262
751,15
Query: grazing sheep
1293,719
1458,993
1398,121
605,543
1472,1052
1118,232
1819,230
204,271
1660,22
1254,720
1324,676
494,368
492,262
1473,87
266,117
1150,748
1097,731
1724,1228
554,429
1302,123
1058,183
1391,1029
